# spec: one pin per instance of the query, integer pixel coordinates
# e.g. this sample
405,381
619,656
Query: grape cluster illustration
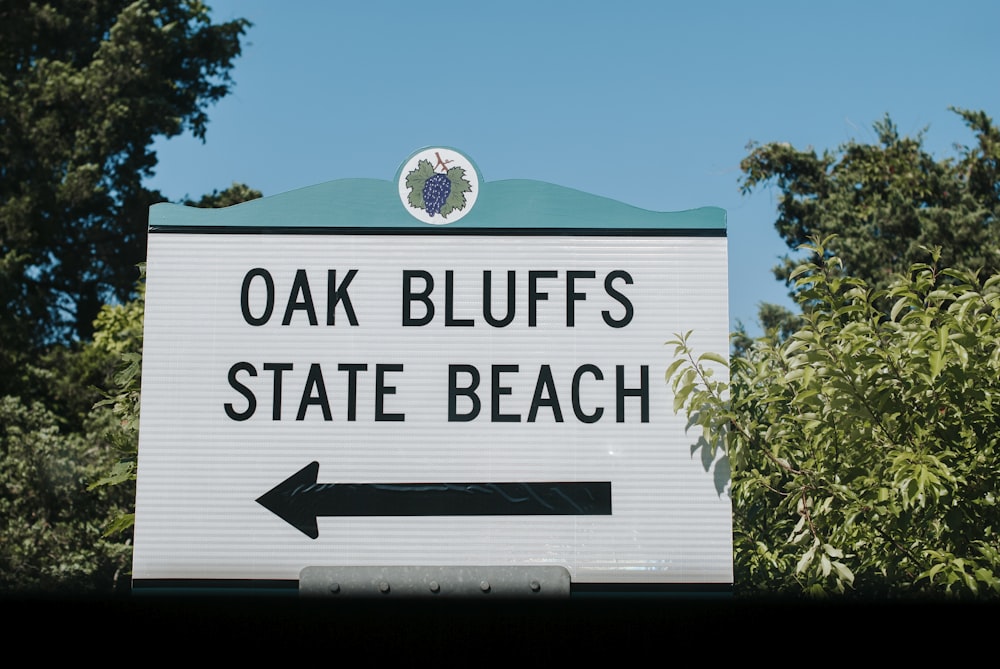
437,189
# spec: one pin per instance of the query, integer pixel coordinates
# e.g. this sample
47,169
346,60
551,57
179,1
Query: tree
50,526
67,489
861,434
864,447
776,321
235,194
886,202
85,87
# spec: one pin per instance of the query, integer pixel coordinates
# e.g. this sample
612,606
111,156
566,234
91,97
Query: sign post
433,372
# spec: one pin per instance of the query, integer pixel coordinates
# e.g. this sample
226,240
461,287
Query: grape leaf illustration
459,187
415,181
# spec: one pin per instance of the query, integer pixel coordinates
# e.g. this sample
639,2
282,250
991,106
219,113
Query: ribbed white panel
200,472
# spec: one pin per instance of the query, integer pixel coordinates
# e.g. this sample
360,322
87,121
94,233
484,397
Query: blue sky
649,103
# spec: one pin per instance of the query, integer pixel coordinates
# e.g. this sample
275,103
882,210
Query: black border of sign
282,587
441,230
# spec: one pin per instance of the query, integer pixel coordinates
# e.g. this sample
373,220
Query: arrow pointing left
299,500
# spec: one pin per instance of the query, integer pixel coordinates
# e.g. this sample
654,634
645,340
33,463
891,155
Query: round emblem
438,185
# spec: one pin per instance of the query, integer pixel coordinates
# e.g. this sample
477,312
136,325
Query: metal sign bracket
435,581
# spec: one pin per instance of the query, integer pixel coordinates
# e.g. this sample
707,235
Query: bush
864,445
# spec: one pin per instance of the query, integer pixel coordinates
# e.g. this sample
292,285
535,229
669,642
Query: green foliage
52,445
864,446
777,322
50,527
118,331
885,202
85,87
459,187
235,194
415,181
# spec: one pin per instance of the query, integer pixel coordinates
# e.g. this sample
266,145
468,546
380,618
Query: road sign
436,371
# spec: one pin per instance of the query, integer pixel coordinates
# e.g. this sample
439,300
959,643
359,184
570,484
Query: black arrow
299,500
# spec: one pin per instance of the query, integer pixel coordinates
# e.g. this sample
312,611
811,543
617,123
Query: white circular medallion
438,185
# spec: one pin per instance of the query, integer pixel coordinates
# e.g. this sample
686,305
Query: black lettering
277,368
623,300
488,300
547,385
468,391
641,392
577,409
381,390
314,383
498,390
300,286
336,294
352,387
534,295
449,303
242,390
409,296
268,292
572,297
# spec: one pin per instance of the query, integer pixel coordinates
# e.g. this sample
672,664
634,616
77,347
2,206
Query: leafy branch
858,443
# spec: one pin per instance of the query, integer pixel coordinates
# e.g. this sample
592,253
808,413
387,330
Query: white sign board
328,381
